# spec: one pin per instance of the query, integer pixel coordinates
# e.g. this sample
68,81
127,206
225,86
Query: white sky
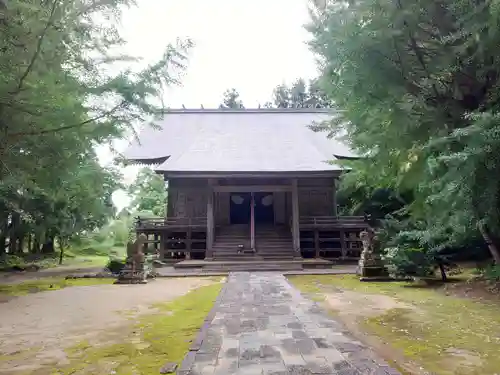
249,45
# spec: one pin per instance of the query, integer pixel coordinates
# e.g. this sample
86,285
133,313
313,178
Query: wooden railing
331,237
332,221
172,222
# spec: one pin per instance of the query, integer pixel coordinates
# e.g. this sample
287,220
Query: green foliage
149,193
418,86
115,265
492,272
299,94
231,100
65,89
409,262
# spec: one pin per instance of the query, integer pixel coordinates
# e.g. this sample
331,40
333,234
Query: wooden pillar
169,198
316,242
210,223
156,239
189,240
343,244
252,221
295,219
335,209
163,244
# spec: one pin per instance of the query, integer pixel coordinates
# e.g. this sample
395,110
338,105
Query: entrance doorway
240,210
264,208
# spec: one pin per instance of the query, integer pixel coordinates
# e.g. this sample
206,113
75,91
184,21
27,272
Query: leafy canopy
418,83
65,88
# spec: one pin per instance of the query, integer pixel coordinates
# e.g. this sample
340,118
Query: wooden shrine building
247,185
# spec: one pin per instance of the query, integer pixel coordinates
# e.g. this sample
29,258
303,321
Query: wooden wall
188,198
222,205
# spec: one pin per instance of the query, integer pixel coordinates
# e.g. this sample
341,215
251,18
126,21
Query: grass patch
49,283
154,340
445,334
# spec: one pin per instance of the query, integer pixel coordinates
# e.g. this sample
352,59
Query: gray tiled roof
260,140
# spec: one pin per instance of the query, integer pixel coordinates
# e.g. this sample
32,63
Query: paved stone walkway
262,325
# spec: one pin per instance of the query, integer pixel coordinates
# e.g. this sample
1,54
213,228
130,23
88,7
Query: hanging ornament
267,200
237,199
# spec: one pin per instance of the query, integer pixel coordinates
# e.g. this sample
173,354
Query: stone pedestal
138,266
370,265
132,275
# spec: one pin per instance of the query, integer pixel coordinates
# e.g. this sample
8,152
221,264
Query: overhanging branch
67,127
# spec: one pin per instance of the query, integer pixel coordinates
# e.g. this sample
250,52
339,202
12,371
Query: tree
282,96
300,94
231,100
418,83
149,193
63,90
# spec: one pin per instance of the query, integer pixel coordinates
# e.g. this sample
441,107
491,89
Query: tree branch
38,48
418,53
67,127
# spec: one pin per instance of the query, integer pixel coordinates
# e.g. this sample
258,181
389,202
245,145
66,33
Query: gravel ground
61,271
48,322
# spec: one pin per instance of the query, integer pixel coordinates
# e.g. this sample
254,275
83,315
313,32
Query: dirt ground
354,304
48,322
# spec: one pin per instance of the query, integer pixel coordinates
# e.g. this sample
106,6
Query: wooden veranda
326,237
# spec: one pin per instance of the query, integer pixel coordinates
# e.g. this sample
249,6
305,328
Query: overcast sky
249,45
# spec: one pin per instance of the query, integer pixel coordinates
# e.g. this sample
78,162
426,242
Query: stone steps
253,266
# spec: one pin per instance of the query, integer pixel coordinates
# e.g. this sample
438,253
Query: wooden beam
295,219
251,188
210,223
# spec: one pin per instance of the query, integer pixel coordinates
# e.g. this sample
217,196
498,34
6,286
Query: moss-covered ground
149,343
47,284
442,333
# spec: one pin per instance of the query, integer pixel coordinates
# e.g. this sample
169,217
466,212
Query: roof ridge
250,110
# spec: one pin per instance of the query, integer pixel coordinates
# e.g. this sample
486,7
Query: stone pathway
262,325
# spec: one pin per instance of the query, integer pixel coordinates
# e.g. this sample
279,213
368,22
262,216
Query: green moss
49,283
150,343
428,332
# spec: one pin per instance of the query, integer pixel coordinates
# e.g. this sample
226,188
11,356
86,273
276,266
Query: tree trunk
14,233
61,253
20,244
29,241
444,278
48,246
489,241
36,244
2,244
3,236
